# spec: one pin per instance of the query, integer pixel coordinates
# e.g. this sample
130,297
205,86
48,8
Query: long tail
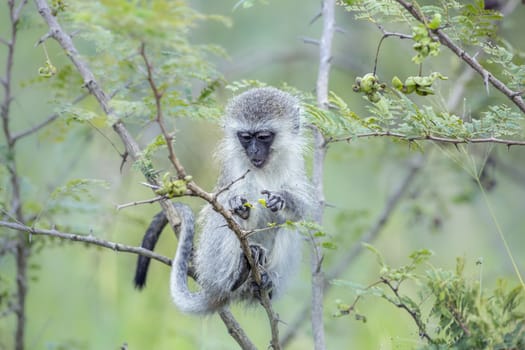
149,241
185,300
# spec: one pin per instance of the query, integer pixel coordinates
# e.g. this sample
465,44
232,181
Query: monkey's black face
257,145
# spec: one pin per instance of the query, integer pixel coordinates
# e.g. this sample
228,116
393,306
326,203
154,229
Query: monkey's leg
260,257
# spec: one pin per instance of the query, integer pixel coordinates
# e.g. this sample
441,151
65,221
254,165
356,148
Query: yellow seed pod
262,202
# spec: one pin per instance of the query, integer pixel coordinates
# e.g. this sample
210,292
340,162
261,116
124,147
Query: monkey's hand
240,206
275,200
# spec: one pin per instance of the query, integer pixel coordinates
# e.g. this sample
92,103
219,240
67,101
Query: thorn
43,38
316,17
124,159
340,30
486,76
307,40
457,147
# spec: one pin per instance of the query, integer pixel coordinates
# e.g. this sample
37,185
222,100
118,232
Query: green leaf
379,256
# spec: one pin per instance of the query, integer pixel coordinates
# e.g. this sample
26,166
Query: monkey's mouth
258,163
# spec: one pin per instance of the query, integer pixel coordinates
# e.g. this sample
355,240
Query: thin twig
387,34
400,304
144,201
45,122
228,186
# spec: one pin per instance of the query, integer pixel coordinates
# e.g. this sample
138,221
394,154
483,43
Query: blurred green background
82,297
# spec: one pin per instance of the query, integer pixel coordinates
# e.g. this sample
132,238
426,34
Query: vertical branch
318,280
21,249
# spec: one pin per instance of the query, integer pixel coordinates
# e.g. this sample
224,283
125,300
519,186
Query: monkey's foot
240,207
259,257
275,200
266,285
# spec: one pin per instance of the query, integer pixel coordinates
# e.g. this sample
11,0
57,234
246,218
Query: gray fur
220,265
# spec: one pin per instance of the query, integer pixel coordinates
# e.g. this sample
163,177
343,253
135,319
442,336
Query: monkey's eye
244,136
265,136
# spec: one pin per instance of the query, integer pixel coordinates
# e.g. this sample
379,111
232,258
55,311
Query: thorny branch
212,200
514,96
429,137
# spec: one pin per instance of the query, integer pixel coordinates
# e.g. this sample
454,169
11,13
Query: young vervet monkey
263,135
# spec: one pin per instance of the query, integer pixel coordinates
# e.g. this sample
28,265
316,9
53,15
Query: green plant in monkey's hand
369,85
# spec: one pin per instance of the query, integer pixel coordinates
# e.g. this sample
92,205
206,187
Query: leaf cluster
451,311
112,47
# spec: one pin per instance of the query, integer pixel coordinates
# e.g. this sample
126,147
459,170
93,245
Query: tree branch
235,330
90,239
514,96
434,138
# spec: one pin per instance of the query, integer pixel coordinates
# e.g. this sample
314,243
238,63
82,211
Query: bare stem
323,76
